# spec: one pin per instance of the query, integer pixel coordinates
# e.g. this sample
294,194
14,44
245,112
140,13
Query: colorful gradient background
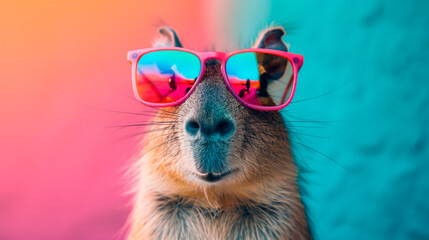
364,82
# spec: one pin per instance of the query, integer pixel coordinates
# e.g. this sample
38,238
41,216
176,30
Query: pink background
62,63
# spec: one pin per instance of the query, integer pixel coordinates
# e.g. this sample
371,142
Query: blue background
369,61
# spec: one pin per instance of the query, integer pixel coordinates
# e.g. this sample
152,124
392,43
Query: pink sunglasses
262,79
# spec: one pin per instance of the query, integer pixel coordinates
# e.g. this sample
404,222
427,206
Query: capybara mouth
215,177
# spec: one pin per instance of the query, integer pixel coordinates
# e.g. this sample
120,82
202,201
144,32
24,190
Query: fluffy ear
271,67
272,39
168,38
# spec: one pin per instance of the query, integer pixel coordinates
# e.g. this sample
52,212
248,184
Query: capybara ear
273,66
168,38
272,39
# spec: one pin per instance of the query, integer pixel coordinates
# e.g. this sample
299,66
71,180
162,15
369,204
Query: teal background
369,61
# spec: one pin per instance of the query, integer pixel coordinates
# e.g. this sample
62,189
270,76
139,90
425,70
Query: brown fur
260,201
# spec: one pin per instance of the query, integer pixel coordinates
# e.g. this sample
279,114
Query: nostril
226,128
192,127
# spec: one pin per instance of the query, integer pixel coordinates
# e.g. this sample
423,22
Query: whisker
143,132
322,95
295,126
301,144
163,110
141,124
146,139
305,134
144,113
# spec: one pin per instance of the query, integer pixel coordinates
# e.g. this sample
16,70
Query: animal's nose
209,135
209,123
209,128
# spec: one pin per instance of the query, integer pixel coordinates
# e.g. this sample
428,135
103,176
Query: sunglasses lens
166,76
260,79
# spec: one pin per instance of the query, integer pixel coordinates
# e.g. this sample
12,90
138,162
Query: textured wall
375,55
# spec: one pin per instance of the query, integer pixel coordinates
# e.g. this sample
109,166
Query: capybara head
211,139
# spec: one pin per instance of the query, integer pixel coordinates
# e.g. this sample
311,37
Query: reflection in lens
260,79
166,76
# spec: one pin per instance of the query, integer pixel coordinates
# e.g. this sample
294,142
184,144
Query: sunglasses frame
296,61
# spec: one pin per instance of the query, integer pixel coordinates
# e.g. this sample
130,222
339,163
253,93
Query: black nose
221,129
